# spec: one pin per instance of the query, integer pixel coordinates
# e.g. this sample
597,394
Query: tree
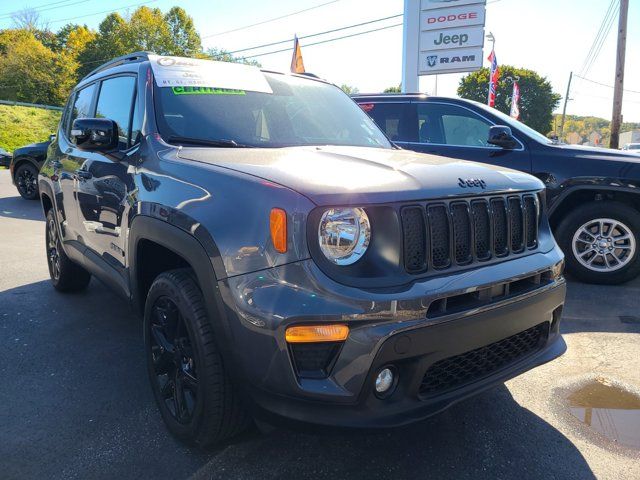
348,89
31,72
397,89
28,19
537,100
146,30
186,40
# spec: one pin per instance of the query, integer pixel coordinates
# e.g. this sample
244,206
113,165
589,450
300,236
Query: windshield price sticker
191,72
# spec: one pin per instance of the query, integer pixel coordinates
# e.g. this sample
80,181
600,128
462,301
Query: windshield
299,112
633,146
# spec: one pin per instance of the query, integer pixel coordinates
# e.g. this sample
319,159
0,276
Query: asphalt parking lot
75,403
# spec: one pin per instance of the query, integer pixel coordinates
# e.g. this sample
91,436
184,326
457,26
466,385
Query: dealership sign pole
441,36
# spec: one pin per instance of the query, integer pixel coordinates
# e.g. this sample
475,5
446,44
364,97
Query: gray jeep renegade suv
289,261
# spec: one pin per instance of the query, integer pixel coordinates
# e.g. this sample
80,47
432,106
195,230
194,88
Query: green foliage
349,89
20,126
41,66
147,30
537,101
397,89
186,40
30,72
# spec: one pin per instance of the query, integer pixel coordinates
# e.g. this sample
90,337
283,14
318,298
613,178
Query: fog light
384,380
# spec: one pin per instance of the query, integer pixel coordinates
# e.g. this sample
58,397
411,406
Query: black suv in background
593,193
288,260
25,165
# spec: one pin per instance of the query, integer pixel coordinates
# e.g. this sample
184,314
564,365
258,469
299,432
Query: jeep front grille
441,235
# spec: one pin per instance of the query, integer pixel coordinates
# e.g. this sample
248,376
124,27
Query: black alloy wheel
53,248
27,181
173,360
193,390
66,276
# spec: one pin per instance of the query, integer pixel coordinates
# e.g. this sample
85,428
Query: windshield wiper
222,142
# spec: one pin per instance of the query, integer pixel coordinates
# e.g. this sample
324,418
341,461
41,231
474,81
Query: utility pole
564,109
410,47
616,119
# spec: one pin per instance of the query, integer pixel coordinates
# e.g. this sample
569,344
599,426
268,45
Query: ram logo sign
452,60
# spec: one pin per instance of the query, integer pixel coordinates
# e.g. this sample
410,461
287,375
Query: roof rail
134,57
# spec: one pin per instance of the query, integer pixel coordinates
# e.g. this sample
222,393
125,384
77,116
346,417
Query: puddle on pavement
609,410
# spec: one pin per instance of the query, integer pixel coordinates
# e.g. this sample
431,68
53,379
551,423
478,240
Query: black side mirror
501,136
95,134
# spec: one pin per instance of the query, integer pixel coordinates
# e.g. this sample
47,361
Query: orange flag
297,65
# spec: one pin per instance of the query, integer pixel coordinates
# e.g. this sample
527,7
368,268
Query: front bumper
386,328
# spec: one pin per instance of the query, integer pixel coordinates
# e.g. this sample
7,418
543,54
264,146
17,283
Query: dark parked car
593,193
25,166
5,158
288,260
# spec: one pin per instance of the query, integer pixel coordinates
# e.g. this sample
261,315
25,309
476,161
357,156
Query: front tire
193,391
27,181
600,241
66,276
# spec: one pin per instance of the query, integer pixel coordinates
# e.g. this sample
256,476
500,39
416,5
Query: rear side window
82,105
115,102
392,118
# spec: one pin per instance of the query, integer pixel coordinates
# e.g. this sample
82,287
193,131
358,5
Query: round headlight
344,234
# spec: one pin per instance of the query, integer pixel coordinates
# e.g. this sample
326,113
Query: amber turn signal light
316,333
278,225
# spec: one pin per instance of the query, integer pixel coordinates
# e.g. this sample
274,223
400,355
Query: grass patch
20,126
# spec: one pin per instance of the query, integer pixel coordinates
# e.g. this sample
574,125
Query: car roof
131,63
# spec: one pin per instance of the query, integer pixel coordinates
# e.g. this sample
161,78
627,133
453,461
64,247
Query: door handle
84,174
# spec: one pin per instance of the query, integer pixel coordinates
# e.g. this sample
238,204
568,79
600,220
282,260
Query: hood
359,175
598,152
40,147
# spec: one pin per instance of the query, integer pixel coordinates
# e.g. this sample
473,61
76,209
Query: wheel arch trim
190,248
594,187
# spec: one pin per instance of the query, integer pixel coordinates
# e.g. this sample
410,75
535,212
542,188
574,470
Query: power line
314,34
605,85
325,41
41,8
104,11
598,34
601,36
270,20
306,36
601,44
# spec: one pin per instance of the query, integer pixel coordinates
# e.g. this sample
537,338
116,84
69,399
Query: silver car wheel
604,245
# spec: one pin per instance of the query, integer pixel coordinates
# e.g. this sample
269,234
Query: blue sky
549,36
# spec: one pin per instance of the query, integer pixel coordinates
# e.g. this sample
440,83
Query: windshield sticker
205,91
192,72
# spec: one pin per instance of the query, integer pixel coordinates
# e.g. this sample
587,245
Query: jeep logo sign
452,38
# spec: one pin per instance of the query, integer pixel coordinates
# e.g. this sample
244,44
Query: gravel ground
76,404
